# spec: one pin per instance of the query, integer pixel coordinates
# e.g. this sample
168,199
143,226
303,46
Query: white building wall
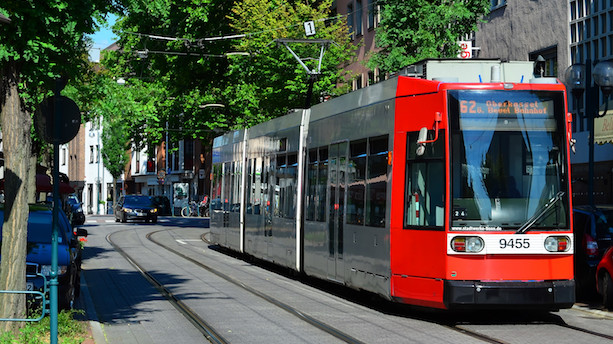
97,177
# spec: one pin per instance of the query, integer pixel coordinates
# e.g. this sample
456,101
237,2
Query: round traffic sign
63,128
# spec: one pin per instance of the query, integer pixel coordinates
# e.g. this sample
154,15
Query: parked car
604,283
136,207
593,234
74,210
162,203
38,259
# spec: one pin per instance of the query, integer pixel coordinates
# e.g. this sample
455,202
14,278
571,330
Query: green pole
53,284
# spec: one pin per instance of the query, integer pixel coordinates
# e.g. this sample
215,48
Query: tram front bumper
551,295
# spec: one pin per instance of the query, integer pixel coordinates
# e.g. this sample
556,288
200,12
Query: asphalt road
124,307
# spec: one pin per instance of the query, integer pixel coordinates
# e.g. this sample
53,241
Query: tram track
345,337
204,327
551,319
470,328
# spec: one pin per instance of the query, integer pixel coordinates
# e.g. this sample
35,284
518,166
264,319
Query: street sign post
57,121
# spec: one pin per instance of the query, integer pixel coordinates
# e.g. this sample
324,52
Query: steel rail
347,338
207,330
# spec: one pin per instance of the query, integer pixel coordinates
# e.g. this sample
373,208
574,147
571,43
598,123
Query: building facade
562,33
362,18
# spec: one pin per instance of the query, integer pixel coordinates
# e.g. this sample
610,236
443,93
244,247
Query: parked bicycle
190,209
196,208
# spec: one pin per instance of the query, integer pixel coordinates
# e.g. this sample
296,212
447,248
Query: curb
90,312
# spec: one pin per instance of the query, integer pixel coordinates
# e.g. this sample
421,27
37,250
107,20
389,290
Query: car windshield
138,200
508,160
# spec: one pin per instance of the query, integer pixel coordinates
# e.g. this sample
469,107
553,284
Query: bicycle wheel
185,211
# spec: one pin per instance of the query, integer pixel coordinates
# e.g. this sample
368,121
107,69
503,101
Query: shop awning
43,184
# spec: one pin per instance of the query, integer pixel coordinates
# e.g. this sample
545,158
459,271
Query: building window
64,156
137,156
97,153
372,14
551,60
358,82
350,18
358,18
91,154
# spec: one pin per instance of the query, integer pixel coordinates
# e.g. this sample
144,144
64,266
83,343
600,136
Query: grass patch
70,331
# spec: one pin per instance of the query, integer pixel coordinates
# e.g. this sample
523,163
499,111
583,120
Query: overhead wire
237,36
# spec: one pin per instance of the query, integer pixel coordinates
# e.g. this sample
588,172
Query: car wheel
607,291
66,301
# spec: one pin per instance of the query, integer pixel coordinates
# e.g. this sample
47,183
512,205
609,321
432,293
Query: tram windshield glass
509,168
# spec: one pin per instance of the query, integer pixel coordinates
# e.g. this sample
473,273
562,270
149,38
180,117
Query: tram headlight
557,243
468,244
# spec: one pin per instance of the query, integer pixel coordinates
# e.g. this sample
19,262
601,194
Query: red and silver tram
428,192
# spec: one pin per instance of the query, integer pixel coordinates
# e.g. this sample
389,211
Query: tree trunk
32,178
16,123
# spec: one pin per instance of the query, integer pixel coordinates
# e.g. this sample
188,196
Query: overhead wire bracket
323,42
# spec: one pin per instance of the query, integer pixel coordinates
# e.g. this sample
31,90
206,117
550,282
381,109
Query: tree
413,30
114,149
271,82
190,67
43,41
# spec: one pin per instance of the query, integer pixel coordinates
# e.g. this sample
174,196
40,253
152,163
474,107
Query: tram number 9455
514,243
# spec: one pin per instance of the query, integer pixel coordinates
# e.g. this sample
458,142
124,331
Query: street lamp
204,106
4,19
579,80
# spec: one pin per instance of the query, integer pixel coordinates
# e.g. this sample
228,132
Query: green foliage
70,331
45,39
114,146
194,70
271,82
413,30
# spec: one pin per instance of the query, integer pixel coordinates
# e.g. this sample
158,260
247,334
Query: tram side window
425,184
236,186
290,188
216,187
279,204
249,191
311,192
356,182
376,192
322,184
227,189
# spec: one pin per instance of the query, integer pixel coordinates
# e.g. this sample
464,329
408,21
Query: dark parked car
593,234
604,282
74,210
136,207
163,205
38,259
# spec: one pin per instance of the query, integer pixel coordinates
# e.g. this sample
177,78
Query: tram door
336,207
226,193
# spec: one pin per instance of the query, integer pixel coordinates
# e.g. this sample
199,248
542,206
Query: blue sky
102,39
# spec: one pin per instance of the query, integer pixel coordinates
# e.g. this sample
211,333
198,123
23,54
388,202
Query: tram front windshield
509,168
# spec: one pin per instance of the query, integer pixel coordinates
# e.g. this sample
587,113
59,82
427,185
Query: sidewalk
85,303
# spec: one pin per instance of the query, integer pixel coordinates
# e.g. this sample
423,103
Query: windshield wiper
537,216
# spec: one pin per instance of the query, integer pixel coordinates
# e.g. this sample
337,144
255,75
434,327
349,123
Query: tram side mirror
421,141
